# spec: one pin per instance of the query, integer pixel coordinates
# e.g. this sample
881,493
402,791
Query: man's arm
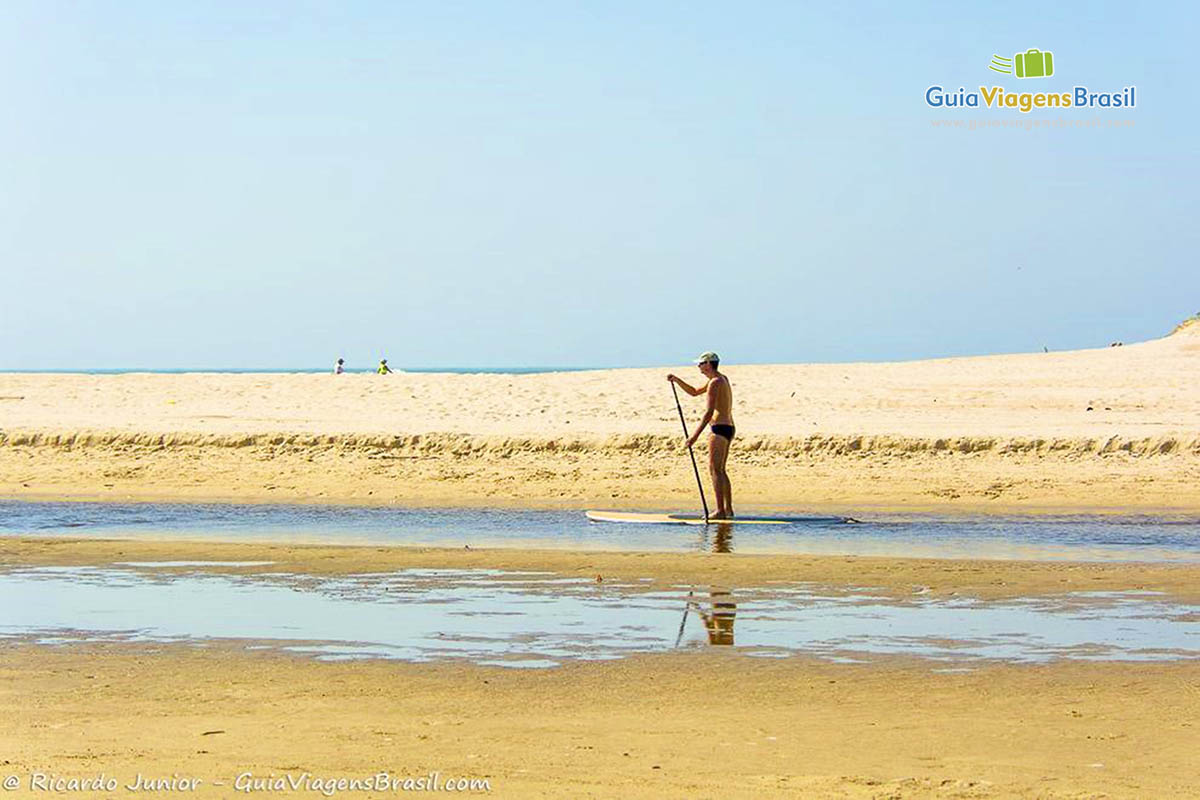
687,387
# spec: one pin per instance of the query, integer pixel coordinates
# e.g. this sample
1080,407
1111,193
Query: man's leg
726,484
718,451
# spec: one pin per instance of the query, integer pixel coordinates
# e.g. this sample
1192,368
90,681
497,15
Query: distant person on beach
720,414
384,369
339,367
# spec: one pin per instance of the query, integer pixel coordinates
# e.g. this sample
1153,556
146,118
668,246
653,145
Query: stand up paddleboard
696,519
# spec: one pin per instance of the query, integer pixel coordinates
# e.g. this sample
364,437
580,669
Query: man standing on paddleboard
720,414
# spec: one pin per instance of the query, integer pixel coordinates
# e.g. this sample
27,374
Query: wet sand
691,724
1112,428
715,725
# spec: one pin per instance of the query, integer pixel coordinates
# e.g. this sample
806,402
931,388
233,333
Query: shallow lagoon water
1081,538
524,619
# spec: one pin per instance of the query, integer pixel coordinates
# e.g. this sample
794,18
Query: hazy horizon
365,369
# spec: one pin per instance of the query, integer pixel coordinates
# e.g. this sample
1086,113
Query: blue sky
276,184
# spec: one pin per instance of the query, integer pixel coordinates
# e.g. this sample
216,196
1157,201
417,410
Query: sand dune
1105,427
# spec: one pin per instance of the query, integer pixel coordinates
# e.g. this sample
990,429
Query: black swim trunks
723,430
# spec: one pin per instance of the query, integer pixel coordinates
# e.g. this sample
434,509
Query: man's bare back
721,392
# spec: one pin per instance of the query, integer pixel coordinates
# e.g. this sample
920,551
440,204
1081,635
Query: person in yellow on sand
383,369
720,414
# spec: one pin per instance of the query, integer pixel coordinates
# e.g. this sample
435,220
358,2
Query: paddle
686,608
695,469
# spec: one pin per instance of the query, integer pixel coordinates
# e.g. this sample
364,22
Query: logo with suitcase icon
1033,63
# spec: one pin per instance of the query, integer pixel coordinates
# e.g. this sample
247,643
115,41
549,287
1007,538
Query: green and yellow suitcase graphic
1034,63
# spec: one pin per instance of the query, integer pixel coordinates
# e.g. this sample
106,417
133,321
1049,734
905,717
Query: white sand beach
1103,428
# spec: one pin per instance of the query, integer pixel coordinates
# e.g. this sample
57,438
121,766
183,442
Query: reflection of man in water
719,622
722,538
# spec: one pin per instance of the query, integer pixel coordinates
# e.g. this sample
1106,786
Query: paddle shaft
686,435
686,608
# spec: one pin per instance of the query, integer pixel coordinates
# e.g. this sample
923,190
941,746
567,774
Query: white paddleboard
697,519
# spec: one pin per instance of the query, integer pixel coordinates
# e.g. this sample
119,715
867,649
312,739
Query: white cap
708,356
